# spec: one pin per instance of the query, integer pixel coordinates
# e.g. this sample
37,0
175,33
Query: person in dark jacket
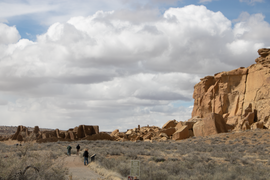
78,149
69,150
85,155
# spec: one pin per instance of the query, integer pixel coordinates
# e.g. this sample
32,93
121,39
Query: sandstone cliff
241,96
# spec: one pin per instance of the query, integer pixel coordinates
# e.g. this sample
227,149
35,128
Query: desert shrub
115,151
123,168
157,159
25,164
160,174
131,154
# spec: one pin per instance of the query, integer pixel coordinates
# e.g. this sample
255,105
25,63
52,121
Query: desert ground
239,155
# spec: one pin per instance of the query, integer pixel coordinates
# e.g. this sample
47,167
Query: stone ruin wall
77,133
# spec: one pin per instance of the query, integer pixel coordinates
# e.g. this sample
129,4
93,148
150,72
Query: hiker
85,155
78,149
69,150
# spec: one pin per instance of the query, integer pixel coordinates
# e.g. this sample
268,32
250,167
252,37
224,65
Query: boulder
114,132
129,132
163,135
257,125
179,125
233,121
168,131
181,133
163,139
169,124
186,123
148,136
211,125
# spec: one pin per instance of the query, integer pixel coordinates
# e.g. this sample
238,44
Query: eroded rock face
213,124
235,94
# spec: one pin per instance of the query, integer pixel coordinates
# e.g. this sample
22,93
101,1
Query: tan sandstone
235,94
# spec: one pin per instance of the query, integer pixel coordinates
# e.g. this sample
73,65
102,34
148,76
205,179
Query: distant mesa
235,100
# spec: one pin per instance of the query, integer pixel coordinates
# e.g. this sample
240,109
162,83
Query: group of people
85,153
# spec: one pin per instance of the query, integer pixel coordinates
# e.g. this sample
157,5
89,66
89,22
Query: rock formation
241,96
77,133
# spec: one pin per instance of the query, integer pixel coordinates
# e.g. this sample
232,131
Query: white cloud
118,70
252,2
205,1
8,34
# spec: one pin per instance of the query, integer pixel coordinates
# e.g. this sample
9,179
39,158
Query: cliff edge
241,96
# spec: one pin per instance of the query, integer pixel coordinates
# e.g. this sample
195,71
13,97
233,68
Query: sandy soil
12,142
78,171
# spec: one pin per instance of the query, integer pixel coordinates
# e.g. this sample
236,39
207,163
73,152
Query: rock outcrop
241,96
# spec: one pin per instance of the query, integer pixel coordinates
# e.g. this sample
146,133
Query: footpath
78,171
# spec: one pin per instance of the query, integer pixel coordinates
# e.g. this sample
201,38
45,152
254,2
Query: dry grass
108,174
243,155
29,162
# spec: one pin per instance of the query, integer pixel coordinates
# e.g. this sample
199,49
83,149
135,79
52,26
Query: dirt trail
80,172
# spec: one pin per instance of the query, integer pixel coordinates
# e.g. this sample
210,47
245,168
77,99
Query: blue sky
119,63
29,26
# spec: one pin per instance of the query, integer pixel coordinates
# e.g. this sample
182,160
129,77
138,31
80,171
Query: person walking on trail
85,155
69,150
78,149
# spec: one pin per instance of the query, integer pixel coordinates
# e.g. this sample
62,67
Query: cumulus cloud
8,34
116,70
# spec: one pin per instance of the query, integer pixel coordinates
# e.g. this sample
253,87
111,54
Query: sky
119,63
